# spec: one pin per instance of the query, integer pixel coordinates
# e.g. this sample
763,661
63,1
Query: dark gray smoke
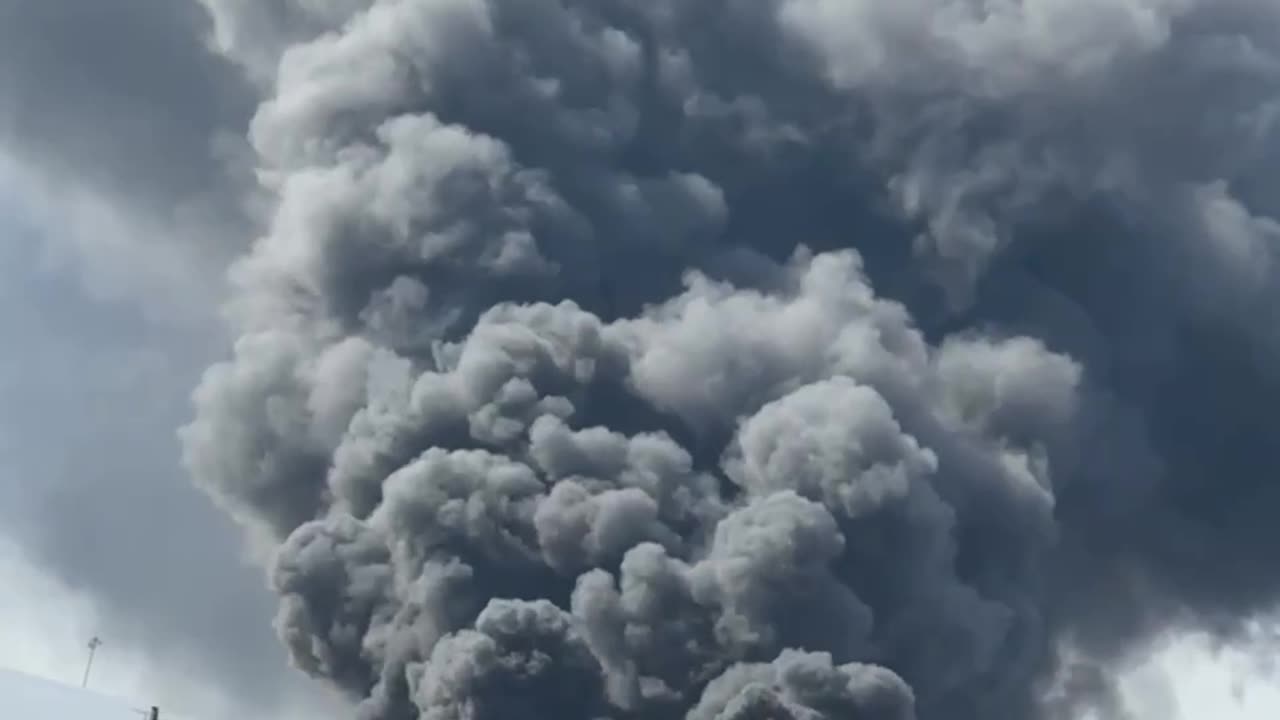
785,359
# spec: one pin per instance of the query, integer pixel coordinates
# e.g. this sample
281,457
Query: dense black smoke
753,358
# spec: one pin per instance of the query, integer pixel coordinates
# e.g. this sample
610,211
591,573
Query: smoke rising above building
778,359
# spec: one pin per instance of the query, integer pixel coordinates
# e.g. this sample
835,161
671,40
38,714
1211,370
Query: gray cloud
791,358
119,95
122,130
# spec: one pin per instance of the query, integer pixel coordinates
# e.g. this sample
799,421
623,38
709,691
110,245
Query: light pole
93,648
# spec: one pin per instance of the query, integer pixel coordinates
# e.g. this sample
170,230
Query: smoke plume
730,359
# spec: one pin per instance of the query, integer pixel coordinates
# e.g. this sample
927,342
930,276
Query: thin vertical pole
93,648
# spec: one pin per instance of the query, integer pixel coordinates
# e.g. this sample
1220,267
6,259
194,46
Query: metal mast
93,649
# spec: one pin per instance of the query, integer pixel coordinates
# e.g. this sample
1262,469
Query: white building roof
31,698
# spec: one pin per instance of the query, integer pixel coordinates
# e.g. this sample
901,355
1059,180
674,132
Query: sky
109,116
286,192
100,524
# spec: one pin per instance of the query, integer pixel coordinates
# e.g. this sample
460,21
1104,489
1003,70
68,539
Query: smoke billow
785,359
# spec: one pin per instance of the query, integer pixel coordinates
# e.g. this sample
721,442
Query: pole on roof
155,713
93,649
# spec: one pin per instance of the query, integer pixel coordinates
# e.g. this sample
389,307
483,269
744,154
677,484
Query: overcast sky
116,221
122,200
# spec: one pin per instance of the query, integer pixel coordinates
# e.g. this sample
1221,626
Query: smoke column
753,359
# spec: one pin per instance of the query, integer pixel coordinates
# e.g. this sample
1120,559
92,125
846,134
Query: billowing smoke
753,359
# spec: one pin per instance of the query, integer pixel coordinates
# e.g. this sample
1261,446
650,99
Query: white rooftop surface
32,698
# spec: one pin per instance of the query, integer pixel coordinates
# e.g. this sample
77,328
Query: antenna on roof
94,644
